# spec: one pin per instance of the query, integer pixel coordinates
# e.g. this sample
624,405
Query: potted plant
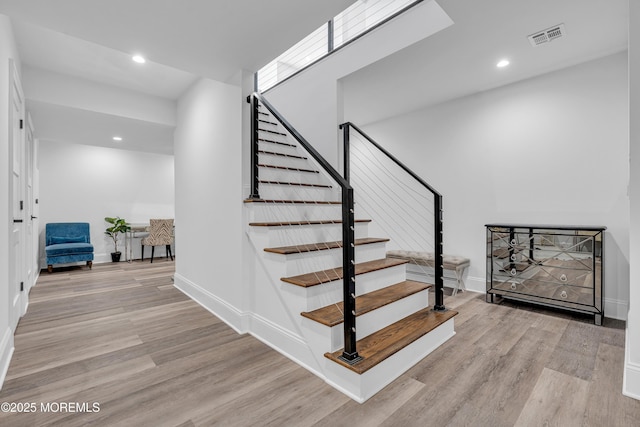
118,225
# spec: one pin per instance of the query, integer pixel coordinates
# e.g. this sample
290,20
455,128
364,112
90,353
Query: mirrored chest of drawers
556,266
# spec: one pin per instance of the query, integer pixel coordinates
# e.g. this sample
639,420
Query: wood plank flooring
122,336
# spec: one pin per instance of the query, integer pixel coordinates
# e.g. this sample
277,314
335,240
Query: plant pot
115,256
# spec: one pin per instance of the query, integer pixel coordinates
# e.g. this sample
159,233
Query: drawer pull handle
514,286
513,272
563,294
513,242
513,257
563,278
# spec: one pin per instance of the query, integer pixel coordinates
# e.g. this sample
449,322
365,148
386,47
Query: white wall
87,183
631,385
312,100
548,150
8,51
209,195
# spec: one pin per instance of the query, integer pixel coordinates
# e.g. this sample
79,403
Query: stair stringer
276,324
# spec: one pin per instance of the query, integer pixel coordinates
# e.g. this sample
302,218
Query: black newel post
254,148
438,268
346,151
350,353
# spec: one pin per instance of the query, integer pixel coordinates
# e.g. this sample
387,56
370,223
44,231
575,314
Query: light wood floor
123,337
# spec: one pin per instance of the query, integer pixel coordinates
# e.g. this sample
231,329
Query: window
359,18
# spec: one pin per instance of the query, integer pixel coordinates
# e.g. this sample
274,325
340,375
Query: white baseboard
233,317
6,351
616,309
283,341
476,284
631,378
286,343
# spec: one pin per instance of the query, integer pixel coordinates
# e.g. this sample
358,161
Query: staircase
295,225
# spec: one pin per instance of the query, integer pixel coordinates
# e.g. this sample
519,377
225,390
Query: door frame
17,296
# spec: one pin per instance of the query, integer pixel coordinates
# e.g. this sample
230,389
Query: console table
136,231
552,265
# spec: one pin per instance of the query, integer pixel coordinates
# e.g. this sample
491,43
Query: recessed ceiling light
503,63
139,59
117,138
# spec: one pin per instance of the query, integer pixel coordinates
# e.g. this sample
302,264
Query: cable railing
354,22
347,221
400,203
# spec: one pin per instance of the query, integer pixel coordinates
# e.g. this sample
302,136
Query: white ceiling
211,38
94,40
461,60
182,40
77,126
51,50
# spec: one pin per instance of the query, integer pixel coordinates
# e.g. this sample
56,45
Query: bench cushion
68,249
450,262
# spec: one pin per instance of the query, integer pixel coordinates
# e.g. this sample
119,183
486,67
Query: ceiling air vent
548,35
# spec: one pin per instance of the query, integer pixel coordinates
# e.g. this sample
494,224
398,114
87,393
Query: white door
35,209
30,227
16,249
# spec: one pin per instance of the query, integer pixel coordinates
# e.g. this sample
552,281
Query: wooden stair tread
296,184
271,141
268,122
272,131
383,344
302,222
332,315
324,276
321,246
273,153
307,202
288,168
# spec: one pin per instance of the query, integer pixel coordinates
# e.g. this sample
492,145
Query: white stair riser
282,212
291,162
271,174
375,280
297,192
314,297
268,122
273,237
264,127
380,318
301,263
275,137
279,148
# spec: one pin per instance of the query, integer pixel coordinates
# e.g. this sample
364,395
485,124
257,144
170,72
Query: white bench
454,263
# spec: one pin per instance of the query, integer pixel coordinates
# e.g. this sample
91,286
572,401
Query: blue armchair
68,242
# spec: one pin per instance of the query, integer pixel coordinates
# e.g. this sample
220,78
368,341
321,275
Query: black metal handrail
350,354
437,206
